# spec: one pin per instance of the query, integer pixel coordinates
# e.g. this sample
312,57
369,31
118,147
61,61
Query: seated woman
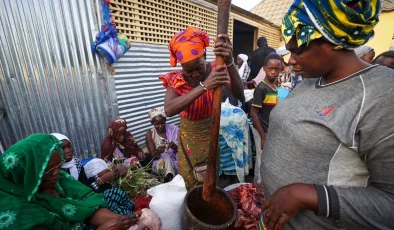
99,177
120,145
96,175
162,141
36,194
71,164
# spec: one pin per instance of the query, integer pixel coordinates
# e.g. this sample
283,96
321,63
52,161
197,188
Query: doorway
243,39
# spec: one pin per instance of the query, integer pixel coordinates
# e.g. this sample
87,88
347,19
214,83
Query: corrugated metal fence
138,87
49,79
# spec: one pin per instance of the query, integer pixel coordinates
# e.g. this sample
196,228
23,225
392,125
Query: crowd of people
316,131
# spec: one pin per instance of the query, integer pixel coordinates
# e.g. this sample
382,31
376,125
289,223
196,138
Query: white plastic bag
167,202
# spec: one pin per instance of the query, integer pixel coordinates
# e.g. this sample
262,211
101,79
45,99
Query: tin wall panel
49,79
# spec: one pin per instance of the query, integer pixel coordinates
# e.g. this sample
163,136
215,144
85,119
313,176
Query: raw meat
148,220
249,199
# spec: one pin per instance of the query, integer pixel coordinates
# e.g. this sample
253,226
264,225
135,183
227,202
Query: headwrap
74,166
94,167
241,70
129,147
362,51
22,168
156,112
187,45
346,23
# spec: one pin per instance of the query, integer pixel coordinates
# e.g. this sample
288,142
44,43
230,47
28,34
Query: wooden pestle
209,187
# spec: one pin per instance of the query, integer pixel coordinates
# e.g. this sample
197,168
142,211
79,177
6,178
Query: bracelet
203,86
101,181
232,63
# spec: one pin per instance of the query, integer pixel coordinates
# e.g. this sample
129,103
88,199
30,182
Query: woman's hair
388,54
273,57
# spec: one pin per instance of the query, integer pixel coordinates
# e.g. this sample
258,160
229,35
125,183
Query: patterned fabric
156,112
187,45
196,136
22,167
234,142
346,23
244,69
201,108
128,148
168,162
118,201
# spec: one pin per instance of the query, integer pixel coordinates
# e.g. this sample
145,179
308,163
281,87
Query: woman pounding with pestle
190,93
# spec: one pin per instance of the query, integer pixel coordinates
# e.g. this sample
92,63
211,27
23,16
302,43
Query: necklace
269,85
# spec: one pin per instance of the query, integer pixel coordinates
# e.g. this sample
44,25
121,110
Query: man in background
258,57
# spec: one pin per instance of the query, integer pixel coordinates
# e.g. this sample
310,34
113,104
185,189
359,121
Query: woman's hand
141,155
173,146
120,169
108,177
160,150
286,202
224,48
122,222
217,78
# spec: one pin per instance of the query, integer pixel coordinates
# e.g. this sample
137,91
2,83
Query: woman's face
159,123
121,135
307,61
239,61
67,150
369,56
195,69
51,173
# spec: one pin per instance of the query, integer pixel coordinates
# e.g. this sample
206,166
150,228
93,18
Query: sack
199,169
167,202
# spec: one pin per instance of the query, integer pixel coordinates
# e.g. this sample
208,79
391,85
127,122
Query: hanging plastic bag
110,45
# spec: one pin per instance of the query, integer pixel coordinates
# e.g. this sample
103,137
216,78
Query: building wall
384,32
49,79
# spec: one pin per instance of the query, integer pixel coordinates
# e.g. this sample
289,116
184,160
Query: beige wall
384,32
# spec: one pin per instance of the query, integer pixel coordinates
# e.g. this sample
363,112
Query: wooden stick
209,188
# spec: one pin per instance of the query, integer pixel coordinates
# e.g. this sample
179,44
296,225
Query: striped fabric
270,99
201,108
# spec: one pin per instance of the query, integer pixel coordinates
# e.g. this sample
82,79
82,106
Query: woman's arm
174,104
150,144
104,219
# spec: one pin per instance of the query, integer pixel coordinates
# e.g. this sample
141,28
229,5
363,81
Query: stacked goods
249,199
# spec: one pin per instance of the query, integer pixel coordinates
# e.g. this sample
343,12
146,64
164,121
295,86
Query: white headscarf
71,165
94,167
363,50
241,70
156,112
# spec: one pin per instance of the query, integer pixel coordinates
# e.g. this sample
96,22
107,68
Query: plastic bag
167,202
110,45
148,220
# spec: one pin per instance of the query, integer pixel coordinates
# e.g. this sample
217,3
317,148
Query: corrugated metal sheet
138,87
49,79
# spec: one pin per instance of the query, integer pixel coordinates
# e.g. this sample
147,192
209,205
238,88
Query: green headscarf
22,167
346,23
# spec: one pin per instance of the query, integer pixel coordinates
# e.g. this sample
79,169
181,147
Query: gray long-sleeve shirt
339,137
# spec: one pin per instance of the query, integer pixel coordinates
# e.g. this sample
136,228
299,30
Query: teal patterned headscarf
346,23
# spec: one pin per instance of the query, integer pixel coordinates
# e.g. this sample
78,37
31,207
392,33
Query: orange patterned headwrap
187,45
